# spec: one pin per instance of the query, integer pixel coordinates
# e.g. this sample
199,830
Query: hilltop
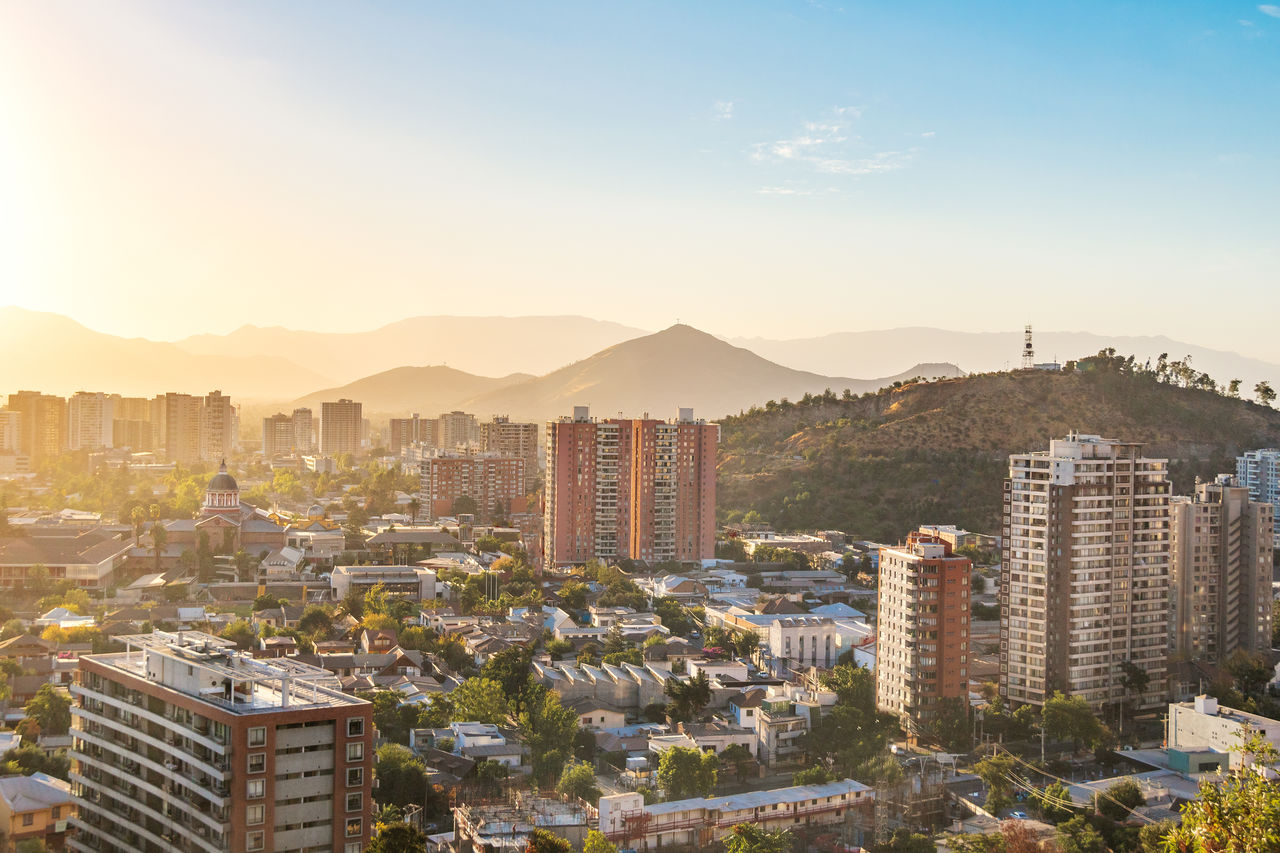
402,390
936,452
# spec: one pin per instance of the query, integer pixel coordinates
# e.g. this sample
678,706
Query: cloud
929,134
722,110
1242,22
1273,11
829,146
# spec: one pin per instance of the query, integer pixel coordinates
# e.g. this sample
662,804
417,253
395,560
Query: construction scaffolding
918,802
506,823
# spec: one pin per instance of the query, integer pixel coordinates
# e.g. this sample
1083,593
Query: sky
775,169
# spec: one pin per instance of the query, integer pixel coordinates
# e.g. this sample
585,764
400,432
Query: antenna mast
1028,351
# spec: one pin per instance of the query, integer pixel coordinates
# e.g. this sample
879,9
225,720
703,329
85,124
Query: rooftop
760,799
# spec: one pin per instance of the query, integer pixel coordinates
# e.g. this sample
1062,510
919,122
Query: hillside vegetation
935,452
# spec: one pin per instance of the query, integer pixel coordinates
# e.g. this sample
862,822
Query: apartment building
10,431
1222,553
922,630
341,426
1085,574
506,438
700,822
218,420
490,480
405,432
304,430
182,743
42,426
181,424
90,421
456,429
639,489
1259,472
277,435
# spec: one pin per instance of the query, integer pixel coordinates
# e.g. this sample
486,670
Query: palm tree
139,518
159,538
414,506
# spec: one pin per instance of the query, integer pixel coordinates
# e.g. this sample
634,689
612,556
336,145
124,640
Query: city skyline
501,159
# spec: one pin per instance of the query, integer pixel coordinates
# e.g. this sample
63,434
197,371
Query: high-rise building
403,433
341,425
1085,575
487,479
922,630
182,743
217,427
277,435
1222,553
639,489
502,436
43,424
131,425
1259,472
181,424
304,431
10,431
90,421
456,429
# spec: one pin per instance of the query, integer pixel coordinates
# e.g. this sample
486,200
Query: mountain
51,353
488,346
403,390
658,373
937,452
879,351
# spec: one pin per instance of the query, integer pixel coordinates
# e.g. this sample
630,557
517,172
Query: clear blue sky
778,169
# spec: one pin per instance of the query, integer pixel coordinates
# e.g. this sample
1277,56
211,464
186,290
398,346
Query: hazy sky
753,168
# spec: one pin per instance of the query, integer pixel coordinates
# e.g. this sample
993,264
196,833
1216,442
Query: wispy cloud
929,134
1242,22
830,146
722,110
1267,9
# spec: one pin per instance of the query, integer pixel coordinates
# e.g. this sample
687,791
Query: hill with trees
879,464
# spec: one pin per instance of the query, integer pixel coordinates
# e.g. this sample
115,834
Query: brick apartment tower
1222,553
1084,585
639,489
922,633
182,743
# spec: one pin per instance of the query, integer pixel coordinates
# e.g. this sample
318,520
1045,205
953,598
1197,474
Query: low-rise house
66,619
412,581
627,686
282,563
35,807
91,559
594,714
286,616
699,822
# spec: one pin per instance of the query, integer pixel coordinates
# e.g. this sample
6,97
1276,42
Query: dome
316,511
222,481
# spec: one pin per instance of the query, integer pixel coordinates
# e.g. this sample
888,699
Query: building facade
1222,555
341,426
490,480
90,421
304,430
1259,472
506,438
1085,574
181,428
639,489
182,743
922,630
43,424
277,435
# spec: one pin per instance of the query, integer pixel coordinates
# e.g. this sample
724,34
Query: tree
402,777
1070,717
1120,799
159,539
414,506
241,633
37,581
510,668
266,601
1078,836
51,709
816,775
464,504
1251,671
316,621
906,841
398,838
1054,803
739,761
1265,393
138,516
1238,814
996,771
596,842
579,780
750,838
951,727
574,595
1233,389
480,700
684,772
1134,681
542,841
489,776
549,730
688,697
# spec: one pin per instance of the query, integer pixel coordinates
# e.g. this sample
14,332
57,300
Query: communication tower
1028,351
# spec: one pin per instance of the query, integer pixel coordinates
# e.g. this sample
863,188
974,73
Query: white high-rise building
90,419
304,431
1259,472
1085,575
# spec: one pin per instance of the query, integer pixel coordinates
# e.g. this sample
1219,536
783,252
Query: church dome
222,481
316,511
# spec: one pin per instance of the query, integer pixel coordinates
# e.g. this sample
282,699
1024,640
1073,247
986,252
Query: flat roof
759,799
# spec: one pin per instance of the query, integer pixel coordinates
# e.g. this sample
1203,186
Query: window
253,840
353,847
255,788
28,819
355,801
257,762
57,812
355,727
254,815
258,736
355,751
355,776
355,826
